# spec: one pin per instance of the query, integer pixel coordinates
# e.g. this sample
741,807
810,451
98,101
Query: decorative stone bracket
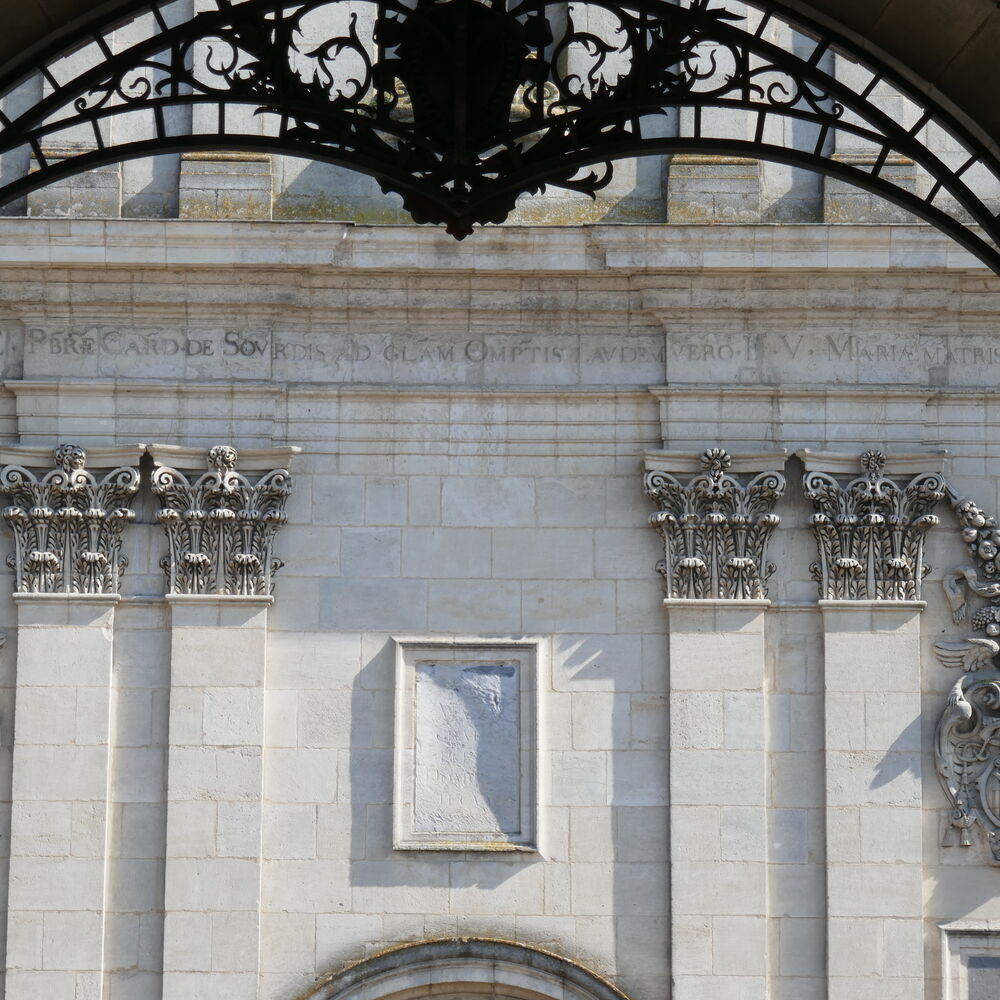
220,526
67,523
870,529
715,529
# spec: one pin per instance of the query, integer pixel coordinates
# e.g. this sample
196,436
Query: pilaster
67,526
870,531
718,799
220,528
874,776
61,792
715,529
218,666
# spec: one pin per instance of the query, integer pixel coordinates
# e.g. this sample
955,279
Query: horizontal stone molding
236,600
523,249
901,606
98,600
694,604
899,464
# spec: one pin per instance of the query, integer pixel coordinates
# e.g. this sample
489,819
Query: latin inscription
748,359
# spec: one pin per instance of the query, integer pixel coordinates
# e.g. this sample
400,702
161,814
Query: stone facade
733,792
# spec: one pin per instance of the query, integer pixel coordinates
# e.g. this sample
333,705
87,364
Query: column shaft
214,797
873,800
718,799
61,774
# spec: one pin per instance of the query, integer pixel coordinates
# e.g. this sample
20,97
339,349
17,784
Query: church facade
603,607
335,621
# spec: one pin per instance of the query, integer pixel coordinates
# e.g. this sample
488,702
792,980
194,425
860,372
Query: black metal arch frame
461,106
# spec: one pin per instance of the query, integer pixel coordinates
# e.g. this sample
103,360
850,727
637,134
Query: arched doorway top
462,967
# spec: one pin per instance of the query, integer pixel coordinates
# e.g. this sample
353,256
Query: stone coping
518,249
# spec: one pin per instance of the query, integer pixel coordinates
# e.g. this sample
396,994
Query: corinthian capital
869,528
220,526
715,527
67,522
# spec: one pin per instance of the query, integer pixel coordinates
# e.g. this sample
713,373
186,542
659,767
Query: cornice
530,250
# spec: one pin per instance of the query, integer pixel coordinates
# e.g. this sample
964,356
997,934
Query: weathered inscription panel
466,749
465,745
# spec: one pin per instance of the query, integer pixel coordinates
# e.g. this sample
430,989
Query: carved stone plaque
465,746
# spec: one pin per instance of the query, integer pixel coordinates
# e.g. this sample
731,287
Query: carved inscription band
68,523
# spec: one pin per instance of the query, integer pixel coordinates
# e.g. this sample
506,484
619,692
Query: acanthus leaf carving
68,525
715,530
870,532
220,528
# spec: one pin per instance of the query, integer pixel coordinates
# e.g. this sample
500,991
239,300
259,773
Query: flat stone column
718,799
61,775
218,662
873,799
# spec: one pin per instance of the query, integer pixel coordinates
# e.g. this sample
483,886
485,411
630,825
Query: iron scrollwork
870,532
715,530
220,527
68,525
462,106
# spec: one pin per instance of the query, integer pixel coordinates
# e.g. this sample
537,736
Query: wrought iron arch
461,106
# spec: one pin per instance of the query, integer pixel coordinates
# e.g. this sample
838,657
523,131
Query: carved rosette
68,525
715,530
870,532
221,527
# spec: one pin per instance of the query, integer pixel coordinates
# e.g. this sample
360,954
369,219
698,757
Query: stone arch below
465,969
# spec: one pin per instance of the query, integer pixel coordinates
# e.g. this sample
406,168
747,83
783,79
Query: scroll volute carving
68,525
967,742
715,529
870,532
220,527
967,737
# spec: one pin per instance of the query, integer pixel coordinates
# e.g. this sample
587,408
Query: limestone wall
473,420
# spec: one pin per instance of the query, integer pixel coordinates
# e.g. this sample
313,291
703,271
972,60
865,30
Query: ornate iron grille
461,106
